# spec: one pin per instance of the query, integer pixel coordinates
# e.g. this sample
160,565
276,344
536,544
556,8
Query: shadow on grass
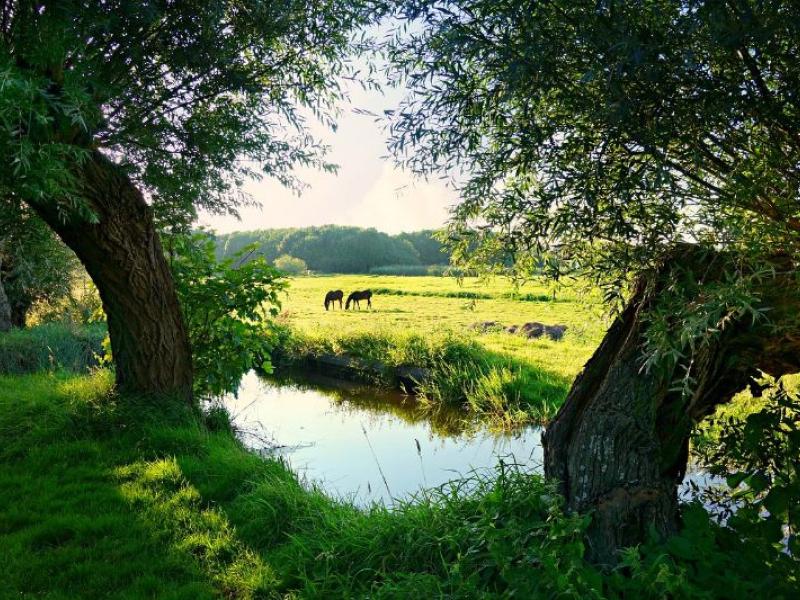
92,506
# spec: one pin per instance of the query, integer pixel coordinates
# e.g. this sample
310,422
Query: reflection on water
366,445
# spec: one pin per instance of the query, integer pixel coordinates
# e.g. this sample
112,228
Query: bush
291,265
227,305
758,454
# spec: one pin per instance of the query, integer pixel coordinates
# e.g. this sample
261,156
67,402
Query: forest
337,249
589,389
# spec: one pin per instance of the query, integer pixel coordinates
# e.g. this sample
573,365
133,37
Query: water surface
368,445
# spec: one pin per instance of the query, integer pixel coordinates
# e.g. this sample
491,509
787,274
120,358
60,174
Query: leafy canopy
599,134
192,96
290,265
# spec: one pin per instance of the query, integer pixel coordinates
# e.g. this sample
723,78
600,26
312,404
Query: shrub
758,454
227,305
291,265
51,346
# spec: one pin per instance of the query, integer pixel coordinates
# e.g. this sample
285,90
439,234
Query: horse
356,296
332,297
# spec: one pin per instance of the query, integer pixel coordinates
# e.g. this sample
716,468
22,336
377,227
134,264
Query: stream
367,445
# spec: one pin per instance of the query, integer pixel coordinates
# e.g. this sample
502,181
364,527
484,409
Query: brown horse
332,297
356,296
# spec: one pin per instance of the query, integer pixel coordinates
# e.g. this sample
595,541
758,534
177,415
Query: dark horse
332,297
356,296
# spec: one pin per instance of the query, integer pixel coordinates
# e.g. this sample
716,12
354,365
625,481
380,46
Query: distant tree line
339,249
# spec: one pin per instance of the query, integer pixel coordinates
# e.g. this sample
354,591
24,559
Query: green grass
119,497
426,322
51,346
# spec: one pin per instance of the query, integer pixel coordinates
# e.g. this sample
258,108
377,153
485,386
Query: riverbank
108,496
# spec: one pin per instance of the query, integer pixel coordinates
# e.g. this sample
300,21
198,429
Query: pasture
429,321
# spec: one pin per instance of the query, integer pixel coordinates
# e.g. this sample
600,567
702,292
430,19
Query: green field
427,321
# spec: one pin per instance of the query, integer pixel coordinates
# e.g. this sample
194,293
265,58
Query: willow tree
114,113
653,146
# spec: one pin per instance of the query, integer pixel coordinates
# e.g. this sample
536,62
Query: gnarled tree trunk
619,446
123,255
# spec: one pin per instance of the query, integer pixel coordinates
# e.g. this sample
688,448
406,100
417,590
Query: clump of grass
51,346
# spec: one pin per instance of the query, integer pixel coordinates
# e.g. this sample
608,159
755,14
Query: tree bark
618,447
123,256
5,310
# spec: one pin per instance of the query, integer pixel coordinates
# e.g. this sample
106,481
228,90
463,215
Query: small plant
759,457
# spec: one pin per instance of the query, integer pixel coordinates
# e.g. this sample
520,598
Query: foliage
291,265
226,305
589,123
597,138
431,251
51,346
35,267
82,306
758,455
188,96
337,249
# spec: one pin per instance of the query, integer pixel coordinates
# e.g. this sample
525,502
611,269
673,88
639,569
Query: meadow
430,322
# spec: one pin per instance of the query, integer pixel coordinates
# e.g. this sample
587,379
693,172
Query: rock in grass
532,330
536,330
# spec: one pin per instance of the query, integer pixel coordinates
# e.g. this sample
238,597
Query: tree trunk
5,310
619,446
123,255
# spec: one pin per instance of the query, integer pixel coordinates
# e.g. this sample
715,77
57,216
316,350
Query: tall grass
51,346
461,373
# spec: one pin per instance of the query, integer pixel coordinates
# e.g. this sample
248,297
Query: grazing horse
356,296
332,297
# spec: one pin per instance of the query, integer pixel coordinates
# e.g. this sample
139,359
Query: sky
368,190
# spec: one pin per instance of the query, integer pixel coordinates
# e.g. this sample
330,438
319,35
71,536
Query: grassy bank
102,496
428,322
460,372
